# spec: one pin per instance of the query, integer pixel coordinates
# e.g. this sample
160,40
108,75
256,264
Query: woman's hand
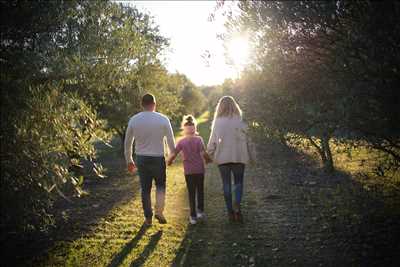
207,157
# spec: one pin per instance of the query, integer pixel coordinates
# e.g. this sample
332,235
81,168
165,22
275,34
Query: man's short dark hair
148,99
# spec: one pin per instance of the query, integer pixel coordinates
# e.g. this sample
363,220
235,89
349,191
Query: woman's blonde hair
227,107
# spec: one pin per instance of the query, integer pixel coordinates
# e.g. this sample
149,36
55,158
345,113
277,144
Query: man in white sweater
149,129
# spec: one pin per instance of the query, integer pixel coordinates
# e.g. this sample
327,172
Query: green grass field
295,215
360,162
119,240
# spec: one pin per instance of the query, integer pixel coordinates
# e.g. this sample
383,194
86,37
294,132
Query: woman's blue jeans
238,173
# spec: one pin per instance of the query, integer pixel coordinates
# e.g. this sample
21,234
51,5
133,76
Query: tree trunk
282,139
122,137
121,134
324,152
328,161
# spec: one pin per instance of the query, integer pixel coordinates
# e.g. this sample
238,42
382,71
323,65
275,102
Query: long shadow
183,249
336,198
358,227
83,213
119,258
147,250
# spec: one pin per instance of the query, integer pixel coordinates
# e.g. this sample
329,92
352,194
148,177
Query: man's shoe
201,215
148,222
192,220
161,219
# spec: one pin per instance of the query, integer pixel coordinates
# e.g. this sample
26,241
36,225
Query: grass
118,239
292,218
360,162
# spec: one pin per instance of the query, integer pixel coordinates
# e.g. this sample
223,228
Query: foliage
166,90
324,70
71,70
51,137
176,95
117,58
193,99
214,93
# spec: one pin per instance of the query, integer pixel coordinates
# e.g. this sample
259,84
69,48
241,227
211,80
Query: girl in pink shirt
194,154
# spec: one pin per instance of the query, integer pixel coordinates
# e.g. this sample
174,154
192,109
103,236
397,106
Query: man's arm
172,155
171,158
129,137
169,134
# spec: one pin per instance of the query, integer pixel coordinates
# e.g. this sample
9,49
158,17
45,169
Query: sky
191,34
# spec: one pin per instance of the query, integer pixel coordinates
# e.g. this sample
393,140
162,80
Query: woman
229,147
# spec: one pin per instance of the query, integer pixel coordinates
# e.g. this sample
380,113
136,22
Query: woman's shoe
238,216
237,213
231,216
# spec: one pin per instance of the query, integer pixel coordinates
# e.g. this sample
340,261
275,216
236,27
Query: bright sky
191,34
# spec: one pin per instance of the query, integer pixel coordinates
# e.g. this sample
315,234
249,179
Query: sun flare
238,50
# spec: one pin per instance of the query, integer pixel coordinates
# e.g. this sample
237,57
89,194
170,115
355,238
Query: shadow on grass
330,215
183,249
147,250
77,218
358,227
119,258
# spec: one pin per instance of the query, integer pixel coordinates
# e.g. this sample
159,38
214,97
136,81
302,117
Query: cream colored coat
229,142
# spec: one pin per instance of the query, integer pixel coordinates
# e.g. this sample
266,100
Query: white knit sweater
229,142
149,130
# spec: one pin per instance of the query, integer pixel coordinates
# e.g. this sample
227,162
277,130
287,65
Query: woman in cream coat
230,149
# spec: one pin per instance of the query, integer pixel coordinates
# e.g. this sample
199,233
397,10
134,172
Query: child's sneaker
201,215
192,220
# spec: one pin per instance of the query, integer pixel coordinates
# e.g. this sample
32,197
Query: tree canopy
72,73
324,70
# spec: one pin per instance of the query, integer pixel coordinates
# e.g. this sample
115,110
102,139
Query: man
149,129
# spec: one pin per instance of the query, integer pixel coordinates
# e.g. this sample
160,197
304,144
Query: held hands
170,161
132,167
207,158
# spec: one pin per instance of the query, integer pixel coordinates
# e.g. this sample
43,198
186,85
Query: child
193,150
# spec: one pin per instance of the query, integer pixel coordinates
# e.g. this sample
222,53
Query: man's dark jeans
238,172
150,168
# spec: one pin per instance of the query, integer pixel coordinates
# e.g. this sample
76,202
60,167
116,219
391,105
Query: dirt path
294,216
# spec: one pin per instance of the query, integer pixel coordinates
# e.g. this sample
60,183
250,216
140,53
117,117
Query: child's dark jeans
195,186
